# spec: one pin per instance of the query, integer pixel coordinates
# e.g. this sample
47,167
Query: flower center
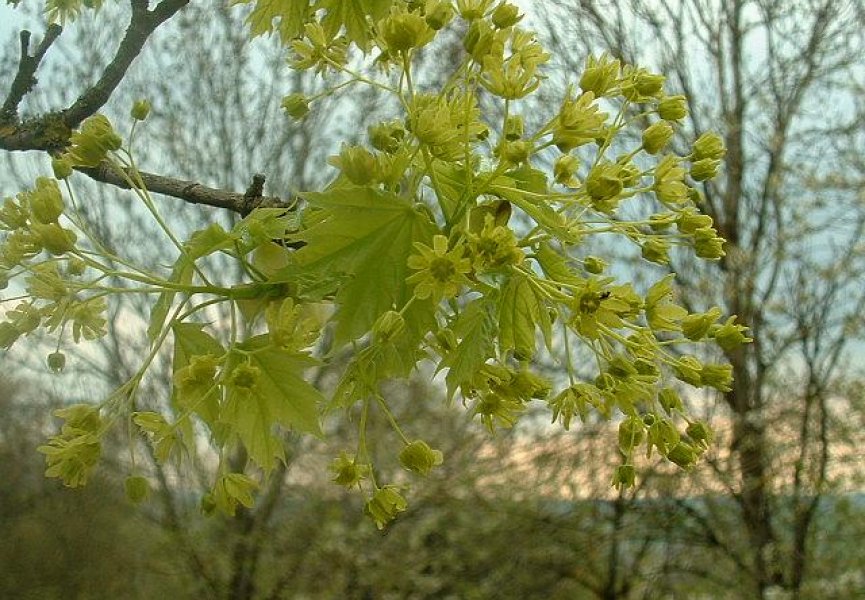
442,269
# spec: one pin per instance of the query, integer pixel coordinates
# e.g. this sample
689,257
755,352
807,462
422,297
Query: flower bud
629,173
600,75
648,84
624,476
730,335
295,106
690,220
56,362
140,110
358,164
244,376
704,169
13,215
93,141
719,377
347,471
669,400
663,435
646,368
385,504
656,136
603,184
661,222
402,31
75,266
439,15
62,167
419,458
137,488
473,9
479,39
447,339
707,244
700,433
200,370
683,454
46,203
386,137
696,326
594,265
708,145
631,435
516,152
673,108
656,250
514,127
688,369
506,15
565,168
54,238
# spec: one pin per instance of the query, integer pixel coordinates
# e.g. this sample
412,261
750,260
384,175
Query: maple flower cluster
456,235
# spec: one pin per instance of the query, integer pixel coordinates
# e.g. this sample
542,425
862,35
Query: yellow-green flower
673,108
441,273
419,458
669,186
600,74
402,30
385,504
578,122
347,471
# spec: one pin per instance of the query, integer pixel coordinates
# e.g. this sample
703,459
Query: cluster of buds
502,394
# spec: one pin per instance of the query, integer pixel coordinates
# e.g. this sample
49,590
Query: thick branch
25,78
189,191
141,25
51,131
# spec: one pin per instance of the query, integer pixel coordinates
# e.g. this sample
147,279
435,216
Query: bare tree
777,80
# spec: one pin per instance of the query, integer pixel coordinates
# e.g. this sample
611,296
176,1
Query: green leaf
451,180
555,265
189,341
182,274
521,309
281,397
290,15
391,359
475,328
368,235
352,14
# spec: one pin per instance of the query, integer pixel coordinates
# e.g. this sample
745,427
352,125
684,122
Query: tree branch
50,132
190,191
25,78
141,25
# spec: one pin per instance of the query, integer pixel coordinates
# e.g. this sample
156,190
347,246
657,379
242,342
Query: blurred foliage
465,538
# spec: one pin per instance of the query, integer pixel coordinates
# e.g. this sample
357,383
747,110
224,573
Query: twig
189,191
25,78
141,25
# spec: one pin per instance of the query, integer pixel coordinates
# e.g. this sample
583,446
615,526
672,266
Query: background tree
794,257
232,171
